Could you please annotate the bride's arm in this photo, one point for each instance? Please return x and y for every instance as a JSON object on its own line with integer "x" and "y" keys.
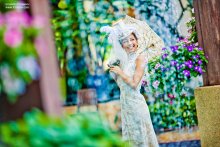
{"x": 138, "y": 74}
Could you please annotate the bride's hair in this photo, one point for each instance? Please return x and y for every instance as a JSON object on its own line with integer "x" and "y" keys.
{"x": 115, "y": 35}
{"x": 132, "y": 33}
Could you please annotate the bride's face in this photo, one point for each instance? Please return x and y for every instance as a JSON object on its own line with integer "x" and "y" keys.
{"x": 130, "y": 43}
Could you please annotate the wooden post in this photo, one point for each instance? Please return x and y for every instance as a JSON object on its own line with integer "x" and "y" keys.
{"x": 207, "y": 15}
{"x": 51, "y": 97}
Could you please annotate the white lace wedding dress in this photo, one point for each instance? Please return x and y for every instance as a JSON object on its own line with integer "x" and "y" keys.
{"x": 137, "y": 127}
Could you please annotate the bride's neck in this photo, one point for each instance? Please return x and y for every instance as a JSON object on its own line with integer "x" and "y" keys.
{"x": 130, "y": 53}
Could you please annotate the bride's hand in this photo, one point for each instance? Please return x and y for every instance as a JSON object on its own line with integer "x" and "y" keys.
{"x": 116, "y": 69}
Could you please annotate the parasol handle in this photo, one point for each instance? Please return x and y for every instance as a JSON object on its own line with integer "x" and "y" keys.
{"x": 116, "y": 22}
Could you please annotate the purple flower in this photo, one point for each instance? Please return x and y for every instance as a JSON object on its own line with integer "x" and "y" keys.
{"x": 180, "y": 39}
{"x": 144, "y": 83}
{"x": 173, "y": 62}
{"x": 190, "y": 65}
{"x": 196, "y": 68}
{"x": 163, "y": 68}
{"x": 186, "y": 73}
{"x": 190, "y": 48}
{"x": 180, "y": 66}
{"x": 174, "y": 48}
{"x": 193, "y": 45}
{"x": 186, "y": 63}
{"x": 163, "y": 49}
{"x": 13, "y": 37}
{"x": 194, "y": 57}
{"x": 200, "y": 49}
{"x": 190, "y": 62}
{"x": 197, "y": 56}
{"x": 164, "y": 56}
{"x": 200, "y": 70}
{"x": 200, "y": 62}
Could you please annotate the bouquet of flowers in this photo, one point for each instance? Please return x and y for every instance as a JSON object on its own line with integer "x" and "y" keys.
{"x": 116, "y": 63}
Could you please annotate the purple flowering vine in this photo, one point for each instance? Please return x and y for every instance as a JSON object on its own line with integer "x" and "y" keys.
{"x": 186, "y": 73}
{"x": 174, "y": 48}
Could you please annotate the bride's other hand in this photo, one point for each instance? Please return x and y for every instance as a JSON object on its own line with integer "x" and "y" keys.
{"x": 116, "y": 69}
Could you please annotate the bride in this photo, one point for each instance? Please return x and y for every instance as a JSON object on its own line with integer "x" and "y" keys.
{"x": 137, "y": 126}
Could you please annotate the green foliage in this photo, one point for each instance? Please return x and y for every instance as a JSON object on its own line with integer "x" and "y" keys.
{"x": 69, "y": 44}
{"x": 81, "y": 48}
{"x": 7, "y": 5}
{"x": 192, "y": 30}
{"x": 170, "y": 72}
{"x": 66, "y": 31}
{"x": 100, "y": 13}
{"x": 180, "y": 113}
{"x": 75, "y": 28}
{"x": 37, "y": 129}
{"x": 168, "y": 82}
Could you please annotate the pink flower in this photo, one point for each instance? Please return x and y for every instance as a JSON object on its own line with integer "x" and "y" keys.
{"x": 185, "y": 40}
{"x": 171, "y": 95}
{"x": 17, "y": 18}
{"x": 13, "y": 37}
{"x": 171, "y": 102}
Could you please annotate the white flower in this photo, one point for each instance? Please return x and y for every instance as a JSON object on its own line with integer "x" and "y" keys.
{"x": 157, "y": 66}
{"x": 30, "y": 65}
{"x": 13, "y": 86}
{"x": 157, "y": 94}
{"x": 4, "y": 72}
{"x": 156, "y": 84}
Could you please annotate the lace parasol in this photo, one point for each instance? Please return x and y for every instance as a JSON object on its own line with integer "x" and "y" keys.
{"x": 148, "y": 40}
